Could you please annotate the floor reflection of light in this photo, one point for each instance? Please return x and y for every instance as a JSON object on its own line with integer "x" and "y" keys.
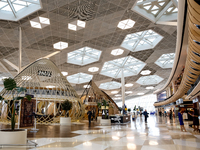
{"x": 130, "y": 137}
{"x": 115, "y": 137}
{"x": 131, "y": 146}
{"x": 118, "y": 133}
{"x": 153, "y": 143}
{"x": 87, "y": 143}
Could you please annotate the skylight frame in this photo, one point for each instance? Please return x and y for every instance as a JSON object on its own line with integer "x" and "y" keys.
{"x": 79, "y": 78}
{"x": 149, "y": 80}
{"x": 165, "y": 60}
{"x": 157, "y": 11}
{"x": 141, "y": 40}
{"x": 110, "y": 85}
{"x": 83, "y": 56}
{"x": 15, "y": 14}
{"x": 130, "y": 66}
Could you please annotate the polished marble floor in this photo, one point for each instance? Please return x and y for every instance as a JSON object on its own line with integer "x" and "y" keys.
{"x": 158, "y": 134}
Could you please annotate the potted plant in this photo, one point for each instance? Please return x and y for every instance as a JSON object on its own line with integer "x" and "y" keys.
{"x": 105, "y": 119}
{"x": 13, "y": 136}
{"x": 66, "y": 106}
{"x": 120, "y": 109}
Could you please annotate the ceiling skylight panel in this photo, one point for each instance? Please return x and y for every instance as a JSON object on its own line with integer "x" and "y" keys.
{"x": 145, "y": 40}
{"x": 79, "y": 78}
{"x": 83, "y": 56}
{"x": 149, "y": 80}
{"x": 130, "y": 66}
{"x": 110, "y": 85}
{"x": 166, "y": 60}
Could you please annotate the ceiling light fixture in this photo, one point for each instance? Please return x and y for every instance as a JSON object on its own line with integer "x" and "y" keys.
{"x": 76, "y": 25}
{"x": 39, "y": 22}
{"x": 128, "y": 92}
{"x": 86, "y": 86}
{"x": 64, "y": 73}
{"x": 140, "y": 93}
{"x": 93, "y": 69}
{"x": 117, "y": 52}
{"x": 128, "y": 85}
{"x": 149, "y": 87}
{"x": 117, "y": 95}
{"x": 145, "y": 72}
{"x": 126, "y": 24}
{"x": 114, "y": 92}
{"x": 60, "y": 45}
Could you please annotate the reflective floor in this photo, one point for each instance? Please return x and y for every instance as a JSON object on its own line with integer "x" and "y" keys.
{"x": 157, "y": 134}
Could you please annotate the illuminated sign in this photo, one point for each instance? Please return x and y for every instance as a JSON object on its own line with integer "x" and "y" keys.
{"x": 44, "y": 73}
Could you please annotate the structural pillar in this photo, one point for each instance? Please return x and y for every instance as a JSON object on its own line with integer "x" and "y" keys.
{"x": 20, "y": 49}
{"x": 123, "y": 88}
{"x": 54, "y": 108}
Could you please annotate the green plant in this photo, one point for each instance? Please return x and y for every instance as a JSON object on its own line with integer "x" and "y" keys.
{"x": 135, "y": 108}
{"x": 99, "y": 105}
{"x": 129, "y": 110}
{"x": 66, "y": 105}
{"x": 10, "y": 85}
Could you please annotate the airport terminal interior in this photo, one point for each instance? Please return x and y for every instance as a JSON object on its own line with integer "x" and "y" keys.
{"x": 99, "y": 74}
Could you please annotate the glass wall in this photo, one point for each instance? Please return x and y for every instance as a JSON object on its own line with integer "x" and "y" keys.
{"x": 146, "y": 102}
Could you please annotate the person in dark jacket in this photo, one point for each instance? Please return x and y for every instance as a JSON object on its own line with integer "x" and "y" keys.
{"x": 195, "y": 116}
{"x": 89, "y": 113}
{"x": 145, "y": 113}
{"x": 170, "y": 114}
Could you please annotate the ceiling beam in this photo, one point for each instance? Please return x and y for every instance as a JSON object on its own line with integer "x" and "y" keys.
{"x": 52, "y": 54}
{"x": 167, "y": 23}
{"x": 147, "y": 1}
{"x": 175, "y": 3}
{"x": 11, "y": 64}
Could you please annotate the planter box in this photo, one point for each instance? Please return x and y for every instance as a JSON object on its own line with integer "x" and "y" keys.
{"x": 19, "y": 136}
{"x": 65, "y": 121}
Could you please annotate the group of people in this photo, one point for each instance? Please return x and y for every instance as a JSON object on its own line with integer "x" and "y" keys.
{"x": 195, "y": 120}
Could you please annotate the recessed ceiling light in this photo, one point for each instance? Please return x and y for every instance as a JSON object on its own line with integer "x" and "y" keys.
{"x": 140, "y": 93}
{"x": 149, "y": 87}
{"x": 44, "y": 20}
{"x": 117, "y": 52}
{"x": 126, "y": 24}
{"x": 76, "y": 25}
{"x": 93, "y": 69}
{"x": 64, "y": 73}
{"x": 60, "y": 45}
{"x": 72, "y": 27}
{"x": 114, "y": 92}
{"x": 81, "y": 23}
{"x": 128, "y": 92}
{"x": 86, "y": 86}
{"x": 145, "y": 72}
{"x": 50, "y": 86}
{"x": 35, "y": 24}
{"x": 128, "y": 85}
{"x": 117, "y": 95}
{"x": 117, "y": 98}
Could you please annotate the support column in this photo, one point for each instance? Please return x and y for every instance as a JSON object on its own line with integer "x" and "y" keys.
{"x": 20, "y": 49}
{"x": 54, "y": 108}
{"x": 123, "y": 88}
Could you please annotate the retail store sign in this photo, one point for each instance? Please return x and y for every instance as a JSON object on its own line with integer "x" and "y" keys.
{"x": 44, "y": 73}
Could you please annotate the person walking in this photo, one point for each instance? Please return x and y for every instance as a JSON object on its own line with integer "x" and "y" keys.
{"x": 180, "y": 117}
{"x": 89, "y": 113}
{"x": 170, "y": 114}
{"x": 145, "y": 113}
{"x": 195, "y": 120}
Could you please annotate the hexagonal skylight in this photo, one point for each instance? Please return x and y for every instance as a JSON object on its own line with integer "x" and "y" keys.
{"x": 76, "y": 25}
{"x": 149, "y": 80}
{"x": 79, "y": 78}
{"x": 141, "y": 40}
{"x": 157, "y": 10}
{"x": 40, "y": 22}
{"x": 130, "y": 65}
{"x": 15, "y": 10}
{"x": 110, "y": 85}
{"x": 126, "y": 24}
{"x": 83, "y": 56}
{"x": 60, "y": 45}
{"x": 166, "y": 60}
{"x": 117, "y": 52}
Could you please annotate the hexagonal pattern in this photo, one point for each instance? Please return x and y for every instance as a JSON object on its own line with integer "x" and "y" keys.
{"x": 79, "y": 78}
{"x": 149, "y": 80}
{"x": 130, "y": 66}
{"x": 15, "y": 10}
{"x": 141, "y": 40}
{"x": 110, "y": 85}
{"x": 83, "y": 56}
{"x": 126, "y": 24}
{"x": 166, "y": 60}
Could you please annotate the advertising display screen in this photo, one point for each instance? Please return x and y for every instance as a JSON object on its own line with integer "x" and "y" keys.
{"x": 161, "y": 96}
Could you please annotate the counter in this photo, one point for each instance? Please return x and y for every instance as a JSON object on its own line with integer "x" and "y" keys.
{"x": 120, "y": 119}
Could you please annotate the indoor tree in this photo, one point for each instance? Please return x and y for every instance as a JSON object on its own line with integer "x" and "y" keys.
{"x": 66, "y": 105}
{"x": 10, "y": 85}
